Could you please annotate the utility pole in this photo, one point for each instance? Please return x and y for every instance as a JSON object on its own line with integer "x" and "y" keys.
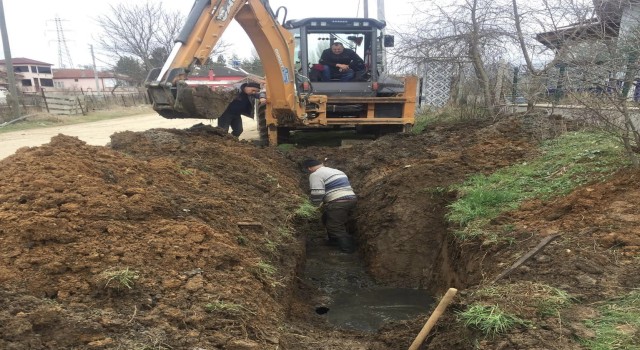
{"x": 366, "y": 8}
{"x": 381, "y": 17}
{"x": 11, "y": 79}
{"x": 95, "y": 70}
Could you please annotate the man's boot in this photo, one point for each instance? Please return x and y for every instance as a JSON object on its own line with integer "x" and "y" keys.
{"x": 346, "y": 245}
{"x": 332, "y": 241}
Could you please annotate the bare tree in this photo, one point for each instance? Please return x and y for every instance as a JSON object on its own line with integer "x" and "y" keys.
{"x": 596, "y": 52}
{"x": 541, "y": 31}
{"x": 466, "y": 33}
{"x": 131, "y": 30}
{"x": 144, "y": 32}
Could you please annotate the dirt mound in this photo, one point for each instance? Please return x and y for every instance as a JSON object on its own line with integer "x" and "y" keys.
{"x": 171, "y": 239}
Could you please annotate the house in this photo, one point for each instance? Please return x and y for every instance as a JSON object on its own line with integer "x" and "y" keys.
{"x": 221, "y": 77}
{"x": 85, "y": 80}
{"x": 35, "y": 75}
{"x": 4, "y": 78}
{"x": 585, "y": 49}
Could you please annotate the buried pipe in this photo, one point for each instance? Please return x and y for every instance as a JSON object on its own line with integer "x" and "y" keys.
{"x": 446, "y": 300}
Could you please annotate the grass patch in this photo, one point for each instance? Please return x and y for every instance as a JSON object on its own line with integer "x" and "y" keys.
{"x": 448, "y": 114}
{"x": 553, "y": 301}
{"x": 284, "y": 232}
{"x": 271, "y": 246}
{"x": 525, "y": 297}
{"x": 306, "y": 210}
{"x": 286, "y": 147}
{"x": 421, "y": 123}
{"x": 265, "y": 269}
{"x": 49, "y": 120}
{"x": 618, "y": 325}
{"x": 185, "y": 171}
{"x": 490, "y": 320}
{"x": 570, "y": 161}
{"x": 224, "y": 307}
{"x": 119, "y": 278}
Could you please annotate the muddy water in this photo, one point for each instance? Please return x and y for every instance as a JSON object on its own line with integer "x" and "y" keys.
{"x": 349, "y": 297}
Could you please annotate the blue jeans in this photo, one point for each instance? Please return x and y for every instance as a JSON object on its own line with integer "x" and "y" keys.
{"x": 347, "y": 75}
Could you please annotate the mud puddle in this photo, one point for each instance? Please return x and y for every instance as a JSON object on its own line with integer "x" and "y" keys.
{"x": 349, "y": 297}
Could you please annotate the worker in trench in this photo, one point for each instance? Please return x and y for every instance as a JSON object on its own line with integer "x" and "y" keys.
{"x": 331, "y": 189}
{"x": 241, "y": 105}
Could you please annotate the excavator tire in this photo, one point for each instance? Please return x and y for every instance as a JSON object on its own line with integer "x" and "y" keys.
{"x": 283, "y": 135}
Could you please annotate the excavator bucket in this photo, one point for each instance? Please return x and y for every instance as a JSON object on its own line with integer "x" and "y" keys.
{"x": 199, "y": 102}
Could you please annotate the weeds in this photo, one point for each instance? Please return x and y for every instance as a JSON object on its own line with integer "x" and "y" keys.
{"x": 435, "y": 192}
{"x": 284, "y": 232}
{"x": 553, "y": 300}
{"x": 265, "y": 269}
{"x": 120, "y": 278}
{"x": 183, "y": 171}
{"x": 224, "y": 307}
{"x": 420, "y": 124}
{"x": 46, "y": 120}
{"x": 548, "y": 300}
{"x": 618, "y": 324}
{"x": 489, "y": 320}
{"x": 271, "y": 246}
{"x": 306, "y": 210}
{"x": 286, "y": 147}
{"x": 271, "y": 179}
{"x": 446, "y": 114}
{"x": 242, "y": 240}
{"x": 566, "y": 163}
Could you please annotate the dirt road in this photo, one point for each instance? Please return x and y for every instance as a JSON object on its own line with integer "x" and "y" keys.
{"x": 98, "y": 133}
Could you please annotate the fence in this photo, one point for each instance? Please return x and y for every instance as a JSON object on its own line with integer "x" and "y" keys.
{"x": 73, "y": 103}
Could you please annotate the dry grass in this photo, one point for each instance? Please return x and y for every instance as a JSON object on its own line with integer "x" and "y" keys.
{"x": 43, "y": 120}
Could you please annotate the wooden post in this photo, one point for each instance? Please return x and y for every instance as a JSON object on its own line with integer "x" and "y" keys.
{"x": 44, "y": 98}
{"x": 80, "y": 104}
{"x": 527, "y": 256}
{"x": 446, "y": 300}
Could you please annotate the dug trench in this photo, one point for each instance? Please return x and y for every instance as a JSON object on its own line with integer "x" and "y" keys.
{"x": 190, "y": 239}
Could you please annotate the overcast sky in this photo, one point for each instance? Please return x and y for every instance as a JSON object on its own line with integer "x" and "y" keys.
{"x": 31, "y": 24}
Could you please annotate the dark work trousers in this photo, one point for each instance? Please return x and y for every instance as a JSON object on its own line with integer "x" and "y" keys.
{"x": 335, "y": 217}
{"x": 235, "y": 121}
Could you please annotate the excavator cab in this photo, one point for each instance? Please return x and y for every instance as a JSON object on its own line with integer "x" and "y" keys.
{"x": 314, "y": 35}
{"x": 366, "y": 38}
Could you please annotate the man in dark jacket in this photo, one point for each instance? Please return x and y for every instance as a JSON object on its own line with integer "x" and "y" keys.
{"x": 340, "y": 63}
{"x": 240, "y": 105}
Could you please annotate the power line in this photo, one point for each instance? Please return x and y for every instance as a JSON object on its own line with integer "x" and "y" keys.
{"x": 64, "y": 56}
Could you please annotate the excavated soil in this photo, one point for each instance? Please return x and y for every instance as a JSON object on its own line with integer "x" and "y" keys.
{"x": 204, "y": 227}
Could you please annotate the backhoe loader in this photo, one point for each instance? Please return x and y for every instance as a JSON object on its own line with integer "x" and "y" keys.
{"x": 289, "y": 51}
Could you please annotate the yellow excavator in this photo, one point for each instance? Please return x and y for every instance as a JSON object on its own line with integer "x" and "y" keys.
{"x": 289, "y": 52}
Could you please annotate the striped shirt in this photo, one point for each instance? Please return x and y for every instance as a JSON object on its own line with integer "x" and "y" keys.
{"x": 328, "y": 184}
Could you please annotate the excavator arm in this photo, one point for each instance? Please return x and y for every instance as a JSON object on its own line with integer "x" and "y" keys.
{"x": 208, "y": 19}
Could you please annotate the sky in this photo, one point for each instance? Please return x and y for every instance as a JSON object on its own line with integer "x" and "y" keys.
{"x": 33, "y": 29}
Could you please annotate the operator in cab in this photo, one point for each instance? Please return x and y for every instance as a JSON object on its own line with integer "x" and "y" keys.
{"x": 340, "y": 63}
{"x": 241, "y": 105}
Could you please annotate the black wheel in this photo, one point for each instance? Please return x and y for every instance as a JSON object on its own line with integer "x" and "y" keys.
{"x": 283, "y": 135}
